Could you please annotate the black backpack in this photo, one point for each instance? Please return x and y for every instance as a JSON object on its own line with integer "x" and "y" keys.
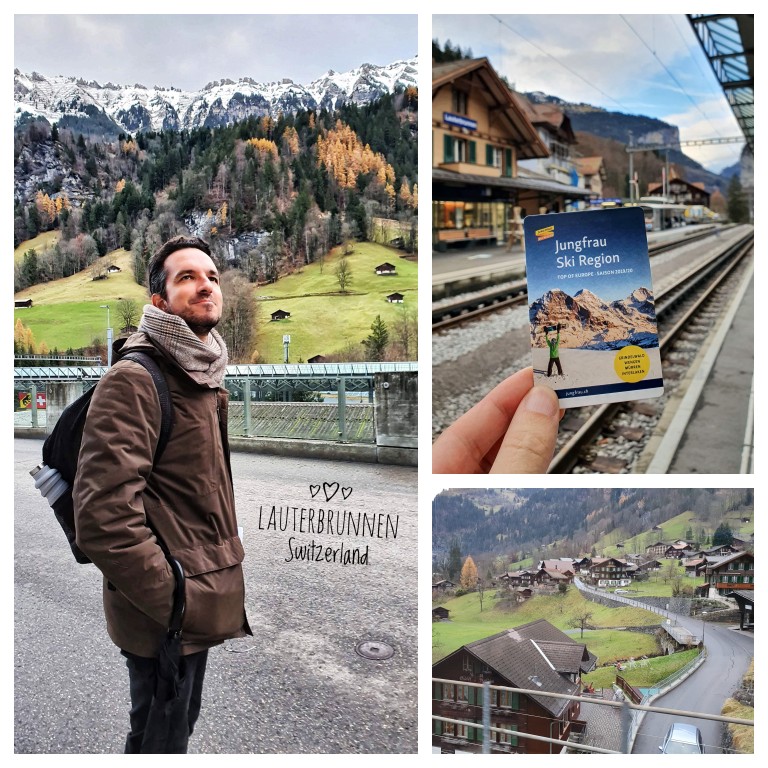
{"x": 56, "y": 475}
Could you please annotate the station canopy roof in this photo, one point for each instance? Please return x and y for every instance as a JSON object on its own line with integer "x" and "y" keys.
{"x": 728, "y": 41}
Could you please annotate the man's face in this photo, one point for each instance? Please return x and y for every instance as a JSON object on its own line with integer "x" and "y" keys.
{"x": 193, "y": 291}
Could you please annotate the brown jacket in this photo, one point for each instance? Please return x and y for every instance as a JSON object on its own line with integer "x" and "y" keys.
{"x": 188, "y": 498}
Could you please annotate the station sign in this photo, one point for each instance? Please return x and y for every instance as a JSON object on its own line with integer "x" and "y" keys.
{"x": 459, "y": 121}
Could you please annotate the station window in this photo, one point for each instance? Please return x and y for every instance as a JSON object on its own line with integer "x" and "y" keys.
{"x": 493, "y": 156}
{"x": 456, "y": 150}
{"x": 459, "y": 102}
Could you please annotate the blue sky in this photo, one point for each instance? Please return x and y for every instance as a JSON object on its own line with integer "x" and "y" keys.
{"x": 189, "y": 51}
{"x": 619, "y": 62}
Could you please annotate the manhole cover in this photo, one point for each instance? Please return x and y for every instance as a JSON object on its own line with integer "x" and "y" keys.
{"x": 370, "y": 649}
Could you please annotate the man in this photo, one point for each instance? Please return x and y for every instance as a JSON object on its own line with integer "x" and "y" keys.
{"x": 123, "y": 505}
{"x": 554, "y": 350}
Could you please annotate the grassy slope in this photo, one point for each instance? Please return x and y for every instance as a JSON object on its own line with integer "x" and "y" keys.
{"x": 66, "y": 313}
{"x": 468, "y": 623}
{"x": 40, "y": 243}
{"x": 323, "y": 320}
{"x": 672, "y": 529}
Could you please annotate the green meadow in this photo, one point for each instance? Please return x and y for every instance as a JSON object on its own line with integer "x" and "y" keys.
{"x": 323, "y": 320}
{"x": 468, "y": 623}
{"x": 66, "y": 313}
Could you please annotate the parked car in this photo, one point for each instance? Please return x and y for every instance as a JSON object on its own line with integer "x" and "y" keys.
{"x": 682, "y": 739}
{"x": 621, "y": 591}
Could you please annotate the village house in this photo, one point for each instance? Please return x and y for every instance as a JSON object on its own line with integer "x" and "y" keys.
{"x": 611, "y": 572}
{"x": 533, "y": 656}
{"x": 443, "y": 585}
{"x": 736, "y": 571}
{"x": 386, "y": 269}
{"x": 280, "y": 314}
{"x": 657, "y": 548}
{"x": 395, "y": 298}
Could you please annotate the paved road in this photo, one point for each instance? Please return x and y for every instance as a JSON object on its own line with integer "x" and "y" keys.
{"x": 729, "y": 652}
{"x": 299, "y": 686}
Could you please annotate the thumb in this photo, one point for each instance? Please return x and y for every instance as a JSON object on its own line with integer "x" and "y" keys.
{"x": 529, "y": 443}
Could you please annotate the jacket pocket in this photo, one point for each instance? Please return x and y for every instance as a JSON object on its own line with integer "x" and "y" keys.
{"x": 214, "y": 591}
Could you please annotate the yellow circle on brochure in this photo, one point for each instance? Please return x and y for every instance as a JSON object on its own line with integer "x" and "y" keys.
{"x": 632, "y": 363}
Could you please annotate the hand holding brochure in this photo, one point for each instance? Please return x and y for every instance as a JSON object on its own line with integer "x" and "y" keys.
{"x": 591, "y": 306}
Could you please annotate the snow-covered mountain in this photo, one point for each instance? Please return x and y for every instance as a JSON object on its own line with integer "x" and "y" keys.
{"x": 588, "y": 322}
{"x": 110, "y": 109}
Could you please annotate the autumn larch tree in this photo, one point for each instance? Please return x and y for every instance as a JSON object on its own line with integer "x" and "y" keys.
{"x": 468, "y": 578}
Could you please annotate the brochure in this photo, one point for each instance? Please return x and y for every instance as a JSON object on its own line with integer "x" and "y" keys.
{"x": 591, "y": 306}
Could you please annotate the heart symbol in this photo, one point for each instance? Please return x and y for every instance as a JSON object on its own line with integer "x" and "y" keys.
{"x": 345, "y": 492}
{"x": 314, "y": 490}
{"x": 334, "y": 487}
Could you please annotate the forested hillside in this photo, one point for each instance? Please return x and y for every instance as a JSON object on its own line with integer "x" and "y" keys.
{"x": 518, "y": 523}
{"x": 259, "y": 190}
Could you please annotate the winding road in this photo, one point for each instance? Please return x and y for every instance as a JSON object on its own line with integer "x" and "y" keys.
{"x": 729, "y": 653}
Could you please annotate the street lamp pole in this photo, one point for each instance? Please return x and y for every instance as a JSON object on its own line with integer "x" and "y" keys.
{"x": 109, "y": 336}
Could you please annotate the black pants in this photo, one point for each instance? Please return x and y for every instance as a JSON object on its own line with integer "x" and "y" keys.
{"x": 141, "y": 674}
{"x": 554, "y": 361}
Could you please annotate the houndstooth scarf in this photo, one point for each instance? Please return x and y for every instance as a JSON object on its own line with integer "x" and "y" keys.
{"x": 175, "y": 337}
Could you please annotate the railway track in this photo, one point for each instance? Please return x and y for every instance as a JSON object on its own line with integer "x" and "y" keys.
{"x": 684, "y": 309}
{"x": 478, "y": 303}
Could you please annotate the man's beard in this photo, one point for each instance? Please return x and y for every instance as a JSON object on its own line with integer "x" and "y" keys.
{"x": 199, "y": 327}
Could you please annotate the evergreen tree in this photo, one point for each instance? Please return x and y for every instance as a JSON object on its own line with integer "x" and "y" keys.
{"x": 723, "y": 535}
{"x": 376, "y": 342}
{"x": 454, "y": 560}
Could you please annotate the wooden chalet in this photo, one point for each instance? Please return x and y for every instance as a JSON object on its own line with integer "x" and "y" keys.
{"x": 440, "y": 614}
{"x": 386, "y": 269}
{"x": 534, "y": 656}
{"x": 395, "y": 298}
{"x": 594, "y": 173}
{"x": 611, "y": 572}
{"x": 317, "y": 359}
{"x": 682, "y": 191}
{"x": 657, "y": 548}
{"x": 22, "y": 303}
{"x": 280, "y": 314}
{"x": 733, "y": 572}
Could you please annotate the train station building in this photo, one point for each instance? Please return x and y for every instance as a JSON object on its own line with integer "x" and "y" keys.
{"x": 481, "y": 130}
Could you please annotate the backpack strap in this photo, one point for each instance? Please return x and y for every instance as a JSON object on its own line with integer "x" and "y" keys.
{"x": 166, "y": 425}
{"x": 163, "y": 394}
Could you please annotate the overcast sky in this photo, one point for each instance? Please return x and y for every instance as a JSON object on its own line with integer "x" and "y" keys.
{"x": 190, "y": 51}
{"x": 608, "y": 61}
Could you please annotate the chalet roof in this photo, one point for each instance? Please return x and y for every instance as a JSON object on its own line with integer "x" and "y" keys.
{"x": 480, "y": 74}
{"x": 514, "y": 655}
{"x": 717, "y": 564}
{"x": 692, "y": 562}
{"x": 549, "y": 115}
{"x": 601, "y": 560}
{"x": 569, "y": 658}
{"x": 744, "y": 594}
{"x": 557, "y": 575}
{"x": 562, "y": 565}
{"x": 590, "y": 166}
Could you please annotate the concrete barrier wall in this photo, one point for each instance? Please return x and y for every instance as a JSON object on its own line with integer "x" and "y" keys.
{"x": 396, "y": 422}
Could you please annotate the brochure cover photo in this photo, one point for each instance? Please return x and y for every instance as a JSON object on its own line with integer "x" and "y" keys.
{"x": 591, "y": 306}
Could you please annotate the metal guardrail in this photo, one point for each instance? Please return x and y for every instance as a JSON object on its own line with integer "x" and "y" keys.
{"x": 630, "y": 715}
